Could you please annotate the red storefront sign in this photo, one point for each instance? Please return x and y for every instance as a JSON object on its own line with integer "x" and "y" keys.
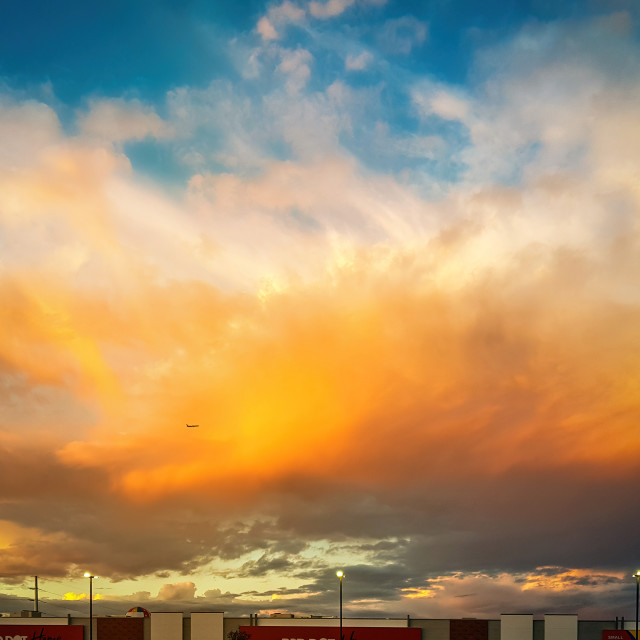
{"x": 610, "y": 634}
{"x": 332, "y": 633}
{"x": 41, "y": 632}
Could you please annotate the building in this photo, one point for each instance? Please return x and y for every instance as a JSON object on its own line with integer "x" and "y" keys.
{"x": 214, "y": 625}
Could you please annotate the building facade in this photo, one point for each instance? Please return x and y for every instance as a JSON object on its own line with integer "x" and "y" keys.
{"x": 213, "y": 625}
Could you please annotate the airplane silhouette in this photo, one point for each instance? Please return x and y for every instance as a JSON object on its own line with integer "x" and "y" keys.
{"x": 192, "y": 425}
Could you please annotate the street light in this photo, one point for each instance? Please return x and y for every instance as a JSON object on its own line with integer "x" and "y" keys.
{"x": 340, "y": 575}
{"x": 91, "y": 579}
{"x": 637, "y": 577}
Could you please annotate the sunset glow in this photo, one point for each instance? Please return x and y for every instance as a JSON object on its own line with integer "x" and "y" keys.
{"x": 385, "y": 255}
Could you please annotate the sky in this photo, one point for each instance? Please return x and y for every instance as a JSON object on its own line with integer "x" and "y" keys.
{"x": 385, "y": 253}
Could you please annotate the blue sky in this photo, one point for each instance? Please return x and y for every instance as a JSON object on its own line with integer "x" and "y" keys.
{"x": 385, "y": 254}
{"x": 71, "y": 54}
{"x": 150, "y": 48}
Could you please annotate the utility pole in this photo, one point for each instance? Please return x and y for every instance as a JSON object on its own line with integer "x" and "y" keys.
{"x": 35, "y": 601}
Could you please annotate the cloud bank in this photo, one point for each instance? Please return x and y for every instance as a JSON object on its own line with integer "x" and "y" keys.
{"x": 427, "y": 376}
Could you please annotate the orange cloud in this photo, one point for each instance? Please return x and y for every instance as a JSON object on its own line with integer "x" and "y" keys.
{"x": 318, "y": 370}
{"x": 340, "y": 341}
{"x": 70, "y": 595}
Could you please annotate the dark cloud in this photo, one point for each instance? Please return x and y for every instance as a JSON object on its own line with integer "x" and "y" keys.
{"x": 265, "y": 564}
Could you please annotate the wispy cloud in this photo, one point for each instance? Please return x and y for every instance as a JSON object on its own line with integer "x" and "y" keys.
{"x": 329, "y": 9}
{"x": 120, "y": 121}
{"x": 358, "y": 62}
{"x": 401, "y": 35}
{"x": 279, "y": 16}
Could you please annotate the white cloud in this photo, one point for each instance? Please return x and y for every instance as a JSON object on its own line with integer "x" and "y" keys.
{"x": 26, "y": 130}
{"x": 329, "y": 9}
{"x": 448, "y": 106}
{"x": 230, "y": 127}
{"x": 279, "y": 17}
{"x": 401, "y": 36}
{"x": 287, "y": 12}
{"x": 358, "y": 62}
{"x": 295, "y": 64}
{"x": 550, "y": 109}
{"x": 432, "y": 98}
{"x": 118, "y": 120}
{"x": 266, "y": 29}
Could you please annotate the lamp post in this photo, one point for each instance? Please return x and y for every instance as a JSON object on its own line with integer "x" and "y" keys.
{"x": 637, "y": 577}
{"x": 340, "y": 575}
{"x": 91, "y": 579}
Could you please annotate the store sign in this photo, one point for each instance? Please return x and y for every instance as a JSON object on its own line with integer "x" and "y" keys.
{"x": 41, "y": 632}
{"x": 609, "y": 634}
{"x": 332, "y": 633}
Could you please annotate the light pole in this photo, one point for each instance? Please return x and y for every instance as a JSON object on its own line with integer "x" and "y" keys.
{"x": 340, "y": 575}
{"x": 637, "y": 577}
{"x": 91, "y": 579}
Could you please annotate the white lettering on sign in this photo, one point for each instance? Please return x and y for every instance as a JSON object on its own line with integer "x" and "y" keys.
{"x": 296, "y": 639}
{"x": 41, "y": 635}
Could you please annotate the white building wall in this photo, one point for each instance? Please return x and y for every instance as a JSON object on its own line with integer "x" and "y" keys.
{"x": 166, "y": 626}
{"x": 516, "y": 626}
{"x": 433, "y": 629}
{"x": 207, "y": 625}
{"x": 33, "y": 621}
{"x": 561, "y": 627}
